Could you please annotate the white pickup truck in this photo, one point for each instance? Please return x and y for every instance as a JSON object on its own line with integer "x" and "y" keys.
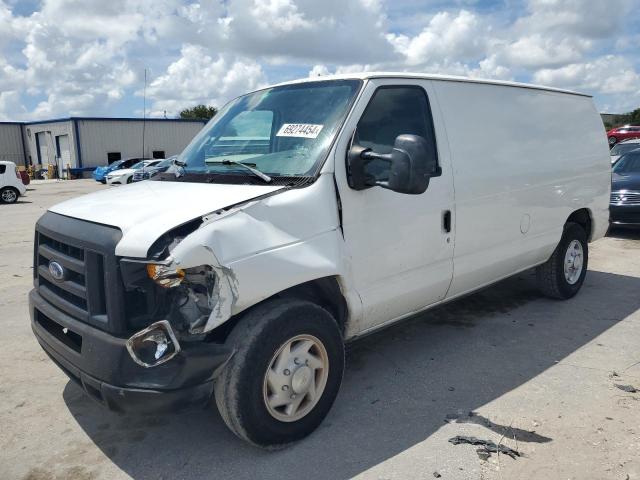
{"x": 303, "y": 216}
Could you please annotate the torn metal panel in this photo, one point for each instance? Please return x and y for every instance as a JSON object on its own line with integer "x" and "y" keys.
{"x": 263, "y": 247}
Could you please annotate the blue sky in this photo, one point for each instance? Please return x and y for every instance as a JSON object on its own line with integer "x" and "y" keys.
{"x": 87, "y": 57}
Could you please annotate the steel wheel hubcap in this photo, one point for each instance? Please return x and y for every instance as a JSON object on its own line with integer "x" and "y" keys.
{"x": 8, "y": 196}
{"x": 295, "y": 378}
{"x": 573, "y": 262}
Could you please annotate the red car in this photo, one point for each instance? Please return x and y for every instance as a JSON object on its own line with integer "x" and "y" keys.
{"x": 620, "y": 133}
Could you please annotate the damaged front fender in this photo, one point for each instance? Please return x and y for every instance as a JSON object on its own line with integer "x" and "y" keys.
{"x": 256, "y": 250}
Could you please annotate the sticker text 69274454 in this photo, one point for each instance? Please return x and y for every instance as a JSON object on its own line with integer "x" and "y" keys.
{"x": 305, "y": 130}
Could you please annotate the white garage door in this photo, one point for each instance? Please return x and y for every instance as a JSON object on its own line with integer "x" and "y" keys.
{"x": 63, "y": 151}
{"x": 43, "y": 149}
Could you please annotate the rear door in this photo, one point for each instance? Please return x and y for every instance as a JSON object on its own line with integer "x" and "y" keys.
{"x": 400, "y": 250}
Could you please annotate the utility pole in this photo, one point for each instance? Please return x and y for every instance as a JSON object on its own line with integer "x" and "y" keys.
{"x": 144, "y": 110}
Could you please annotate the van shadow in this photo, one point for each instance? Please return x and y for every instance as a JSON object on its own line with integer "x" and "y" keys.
{"x": 399, "y": 387}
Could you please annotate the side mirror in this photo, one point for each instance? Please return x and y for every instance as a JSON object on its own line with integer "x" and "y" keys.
{"x": 412, "y": 163}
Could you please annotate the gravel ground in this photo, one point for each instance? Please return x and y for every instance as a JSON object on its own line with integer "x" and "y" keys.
{"x": 503, "y": 365}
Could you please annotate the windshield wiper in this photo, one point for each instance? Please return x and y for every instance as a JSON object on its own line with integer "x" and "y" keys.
{"x": 255, "y": 171}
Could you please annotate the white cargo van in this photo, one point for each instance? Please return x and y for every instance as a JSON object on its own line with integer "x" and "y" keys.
{"x": 303, "y": 216}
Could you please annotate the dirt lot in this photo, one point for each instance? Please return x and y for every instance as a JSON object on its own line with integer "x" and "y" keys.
{"x": 502, "y": 364}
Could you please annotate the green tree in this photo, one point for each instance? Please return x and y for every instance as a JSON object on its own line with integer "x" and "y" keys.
{"x": 199, "y": 112}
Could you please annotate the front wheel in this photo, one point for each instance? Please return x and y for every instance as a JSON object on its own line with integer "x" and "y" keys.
{"x": 612, "y": 141}
{"x": 285, "y": 373}
{"x": 563, "y": 274}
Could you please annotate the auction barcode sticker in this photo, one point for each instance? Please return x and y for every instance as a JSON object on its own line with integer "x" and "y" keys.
{"x": 305, "y": 130}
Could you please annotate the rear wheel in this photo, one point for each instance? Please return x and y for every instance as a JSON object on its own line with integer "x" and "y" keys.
{"x": 9, "y": 195}
{"x": 285, "y": 373}
{"x": 563, "y": 274}
{"x": 130, "y": 179}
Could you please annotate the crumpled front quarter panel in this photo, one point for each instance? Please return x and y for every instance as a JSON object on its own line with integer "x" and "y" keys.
{"x": 267, "y": 246}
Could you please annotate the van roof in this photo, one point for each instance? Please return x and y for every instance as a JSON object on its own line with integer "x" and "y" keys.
{"x": 6, "y": 162}
{"x": 426, "y": 76}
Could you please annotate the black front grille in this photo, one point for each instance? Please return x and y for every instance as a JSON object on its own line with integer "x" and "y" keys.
{"x": 90, "y": 289}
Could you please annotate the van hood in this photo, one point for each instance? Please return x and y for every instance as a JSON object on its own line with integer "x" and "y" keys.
{"x": 146, "y": 210}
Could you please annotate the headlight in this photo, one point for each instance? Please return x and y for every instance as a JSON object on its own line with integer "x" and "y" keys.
{"x": 164, "y": 276}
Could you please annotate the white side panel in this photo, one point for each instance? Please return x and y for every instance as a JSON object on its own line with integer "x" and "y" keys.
{"x": 523, "y": 160}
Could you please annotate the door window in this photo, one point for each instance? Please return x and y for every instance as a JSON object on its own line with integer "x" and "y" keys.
{"x": 391, "y": 112}
{"x": 3, "y": 168}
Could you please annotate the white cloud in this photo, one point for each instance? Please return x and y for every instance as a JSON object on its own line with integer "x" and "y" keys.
{"x": 447, "y": 36}
{"x": 198, "y": 78}
{"x": 87, "y": 56}
{"x": 609, "y": 75}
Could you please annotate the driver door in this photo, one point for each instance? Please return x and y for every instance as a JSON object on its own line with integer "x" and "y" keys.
{"x": 400, "y": 245}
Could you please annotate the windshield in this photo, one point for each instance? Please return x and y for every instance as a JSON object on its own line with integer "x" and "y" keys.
{"x": 280, "y": 131}
{"x": 629, "y": 163}
{"x": 165, "y": 163}
{"x": 144, "y": 163}
{"x": 622, "y": 148}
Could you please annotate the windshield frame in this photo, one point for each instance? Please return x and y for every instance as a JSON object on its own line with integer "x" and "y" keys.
{"x": 319, "y": 163}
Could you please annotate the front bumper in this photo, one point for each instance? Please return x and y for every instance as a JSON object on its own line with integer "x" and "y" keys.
{"x": 100, "y": 364}
{"x": 624, "y": 215}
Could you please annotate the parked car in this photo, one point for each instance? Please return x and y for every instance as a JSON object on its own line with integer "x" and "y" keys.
{"x": 11, "y": 186}
{"x": 625, "y": 190}
{"x": 125, "y": 175}
{"x": 148, "y": 172}
{"x": 100, "y": 173}
{"x": 617, "y": 134}
{"x": 623, "y": 147}
{"x": 306, "y": 215}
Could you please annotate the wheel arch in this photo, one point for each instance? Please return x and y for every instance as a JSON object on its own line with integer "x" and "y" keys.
{"x": 582, "y": 217}
{"x": 324, "y": 291}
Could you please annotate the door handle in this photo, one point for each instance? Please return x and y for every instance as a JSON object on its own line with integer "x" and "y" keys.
{"x": 446, "y": 221}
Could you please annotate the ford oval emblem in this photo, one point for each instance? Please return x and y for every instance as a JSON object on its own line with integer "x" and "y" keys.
{"x": 56, "y": 270}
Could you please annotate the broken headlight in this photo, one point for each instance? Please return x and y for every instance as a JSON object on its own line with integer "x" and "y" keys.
{"x": 165, "y": 276}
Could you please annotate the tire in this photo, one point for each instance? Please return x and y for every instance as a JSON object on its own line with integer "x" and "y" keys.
{"x": 104, "y": 182}
{"x": 242, "y": 391}
{"x": 612, "y": 141}
{"x": 553, "y": 279}
{"x": 9, "y": 195}
{"x": 130, "y": 179}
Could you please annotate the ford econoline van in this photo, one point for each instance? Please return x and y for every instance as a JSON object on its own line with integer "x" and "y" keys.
{"x": 306, "y": 215}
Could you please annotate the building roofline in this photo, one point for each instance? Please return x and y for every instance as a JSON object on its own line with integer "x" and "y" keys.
{"x": 105, "y": 119}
